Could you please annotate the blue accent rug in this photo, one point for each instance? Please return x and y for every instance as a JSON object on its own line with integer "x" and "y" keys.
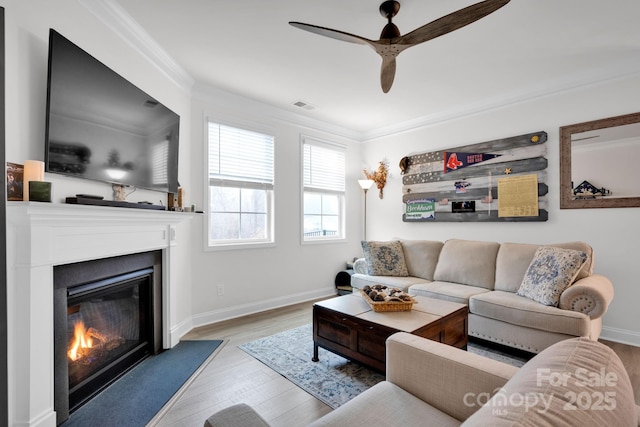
{"x": 134, "y": 399}
{"x": 333, "y": 379}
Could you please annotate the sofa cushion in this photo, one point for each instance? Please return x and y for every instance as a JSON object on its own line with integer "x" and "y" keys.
{"x": 551, "y": 271}
{"x": 385, "y": 404}
{"x": 577, "y": 382}
{"x": 385, "y": 258}
{"x": 513, "y": 259}
{"x": 361, "y": 280}
{"x": 512, "y": 262}
{"x": 511, "y": 308}
{"x": 587, "y": 267}
{"x": 467, "y": 262}
{"x": 447, "y": 291}
{"x": 421, "y": 257}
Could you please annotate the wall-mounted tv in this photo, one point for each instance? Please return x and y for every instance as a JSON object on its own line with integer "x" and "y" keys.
{"x": 102, "y": 127}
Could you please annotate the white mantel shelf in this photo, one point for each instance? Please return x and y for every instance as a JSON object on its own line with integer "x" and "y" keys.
{"x": 43, "y": 235}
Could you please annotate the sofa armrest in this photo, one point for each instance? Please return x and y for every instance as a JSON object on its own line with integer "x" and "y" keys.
{"x": 360, "y": 266}
{"x": 590, "y": 295}
{"x": 451, "y": 380}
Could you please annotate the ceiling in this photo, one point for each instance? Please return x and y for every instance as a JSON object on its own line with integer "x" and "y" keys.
{"x": 527, "y": 49}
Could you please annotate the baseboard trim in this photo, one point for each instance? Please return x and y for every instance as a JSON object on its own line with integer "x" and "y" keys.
{"x": 622, "y": 336}
{"x": 240, "y": 310}
{"x": 178, "y": 331}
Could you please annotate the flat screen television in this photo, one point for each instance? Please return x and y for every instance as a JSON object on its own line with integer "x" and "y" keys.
{"x": 102, "y": 127}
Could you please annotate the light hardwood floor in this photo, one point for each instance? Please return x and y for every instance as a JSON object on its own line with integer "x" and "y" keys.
{"x": 232, "y": 376}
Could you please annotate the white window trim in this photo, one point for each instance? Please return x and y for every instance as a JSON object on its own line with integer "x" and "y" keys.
{"x": 343, "y": 201}
{"x": 271, "y": 201}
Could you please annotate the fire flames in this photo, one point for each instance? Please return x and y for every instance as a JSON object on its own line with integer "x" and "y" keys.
{"x": 82, "y": 340}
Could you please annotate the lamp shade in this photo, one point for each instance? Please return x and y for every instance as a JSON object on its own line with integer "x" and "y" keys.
{"x": 33, "y": 171}
{"x": 365, "y": 184}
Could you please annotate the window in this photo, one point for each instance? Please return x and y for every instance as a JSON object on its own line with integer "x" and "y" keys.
{"x": 323, "y": 182}
{"x": 240, "y": 186}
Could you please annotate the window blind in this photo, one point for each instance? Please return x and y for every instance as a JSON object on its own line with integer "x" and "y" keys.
{"x": 323, "y": 167}
{"x": 243, "y": 157}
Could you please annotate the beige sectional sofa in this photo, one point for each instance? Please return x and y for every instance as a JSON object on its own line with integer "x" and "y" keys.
{"x": 487, "y": 277}
{"x": 576, "y": 382}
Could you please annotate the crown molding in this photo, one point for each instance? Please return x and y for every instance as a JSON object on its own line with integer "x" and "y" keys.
{"x": 219, "y": 97}
{"x": 606, "y": 74}
{"x": 120, "y": 22}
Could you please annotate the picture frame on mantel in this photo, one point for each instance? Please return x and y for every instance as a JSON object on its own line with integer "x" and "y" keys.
{"x": 15, "y": 182}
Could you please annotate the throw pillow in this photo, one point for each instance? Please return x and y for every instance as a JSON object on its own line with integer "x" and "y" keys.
{"x": 385, "y": 258}
{"x": 551, "y": 271}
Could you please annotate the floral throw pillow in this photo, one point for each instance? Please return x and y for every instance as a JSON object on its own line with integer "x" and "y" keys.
{"x": 384, "y": 258}
{"x": 551, "y": 271}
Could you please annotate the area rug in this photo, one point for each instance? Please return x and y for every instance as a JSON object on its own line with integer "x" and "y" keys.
{"x": 134, "y": 399}
{"x": 333, "y": 379}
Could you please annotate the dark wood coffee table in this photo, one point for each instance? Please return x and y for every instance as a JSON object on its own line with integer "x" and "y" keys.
{"x": 346, "y": 325}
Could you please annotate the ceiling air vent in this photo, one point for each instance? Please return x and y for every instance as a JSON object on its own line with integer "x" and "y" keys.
{"x": 304, "y": 105}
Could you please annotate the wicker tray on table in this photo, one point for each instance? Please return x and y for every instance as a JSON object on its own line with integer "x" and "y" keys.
{"x": 380, "y": 306}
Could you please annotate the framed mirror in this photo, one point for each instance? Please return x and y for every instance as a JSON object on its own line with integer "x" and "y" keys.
{"x": 598, "y": 163}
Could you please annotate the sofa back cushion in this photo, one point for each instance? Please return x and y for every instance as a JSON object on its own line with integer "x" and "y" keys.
{"x": 512, "y": 263}
{"x": 513, "y": 260}
{"x": 468, "y": 262}
{"x": 421, "y": 257}
{"x": 577, "y": 382}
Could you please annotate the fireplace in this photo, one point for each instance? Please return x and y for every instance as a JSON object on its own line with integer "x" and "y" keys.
{"x": 107, "y": 319}
{"x": 43, "y": 237}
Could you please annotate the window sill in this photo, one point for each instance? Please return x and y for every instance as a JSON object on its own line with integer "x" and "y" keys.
{"x": 239, "y": 246}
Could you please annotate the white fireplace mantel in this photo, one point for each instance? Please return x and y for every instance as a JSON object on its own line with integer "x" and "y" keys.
{"x": 43, "y": 235}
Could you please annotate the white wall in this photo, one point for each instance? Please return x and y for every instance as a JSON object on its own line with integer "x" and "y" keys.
{"x": 291, "y": 271}
{"x": 613, "y": 233}
{"x": 27, "y": 25}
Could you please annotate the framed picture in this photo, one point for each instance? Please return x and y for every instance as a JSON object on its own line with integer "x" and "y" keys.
{"x": 15, "y": 181}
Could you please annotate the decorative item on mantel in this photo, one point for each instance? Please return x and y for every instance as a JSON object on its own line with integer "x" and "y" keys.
{"x": 33, "y": 171}
{"x": 586, "y": 190}
{"x": 15, "y": 181}
{"x": 39, "y": 191}
{"x": 379, "y": 176}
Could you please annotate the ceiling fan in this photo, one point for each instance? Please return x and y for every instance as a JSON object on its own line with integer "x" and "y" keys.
{"x": 391, "y": 42}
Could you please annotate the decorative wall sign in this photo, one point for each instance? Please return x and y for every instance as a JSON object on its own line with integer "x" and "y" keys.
{"x": 420, "y": 209}
{"x": 465, "y": 183}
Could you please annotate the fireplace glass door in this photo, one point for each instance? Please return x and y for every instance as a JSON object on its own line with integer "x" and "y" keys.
{"x": 108, "y": 331}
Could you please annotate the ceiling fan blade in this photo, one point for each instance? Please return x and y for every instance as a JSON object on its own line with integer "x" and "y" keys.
{"x": 387, "y": 72}
{"x": 334, "y": 34}
{"x": 452, "y": 22}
